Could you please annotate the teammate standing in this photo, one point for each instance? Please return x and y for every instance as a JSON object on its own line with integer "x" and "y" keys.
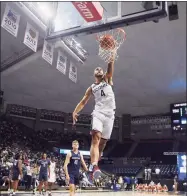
{"x": 72, "y": 166}
{"x": 16, "y": 172}
{"x": 52, "y": 178}
{"x": 44, "y": 173}
{"x": 103, "y": 114}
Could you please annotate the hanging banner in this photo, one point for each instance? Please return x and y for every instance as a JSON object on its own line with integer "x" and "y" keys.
{"x": 48, "y": 50}
{"x": 61, "y": 62}
{"x": 31, "y": 37}
{"x": 73, "y": 72}
{"x": 10, "y": 21}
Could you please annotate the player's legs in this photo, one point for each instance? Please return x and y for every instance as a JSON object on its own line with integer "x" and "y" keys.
{"x": 40, "y": 182}
{"x": 97, "y": 128}
{"x": 40, "y": 186}
{"x": 51, "y": 181}
{"x": 94, "y": 150}
{"x": 45, "y": 181}
{"x": 50, "y": 187}
{"x": 72, "y": 187}
{"x": 15, "y": 186}
{"x": 34, "y": 184}
{"x": 102, "y": 145}
{"x": 15, "y": 180}
{"x": 106, "y": 134}
{"x": 45, "y": 185}
{"x": 9, "y": 184}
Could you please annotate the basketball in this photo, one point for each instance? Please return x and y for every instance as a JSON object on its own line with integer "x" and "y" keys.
{"x": 107, "y": 42}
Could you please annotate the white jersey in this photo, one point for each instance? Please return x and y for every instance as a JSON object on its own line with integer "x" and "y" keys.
{"x": 52, "y": 177}
{"x": 104, "y": 97}
{"x": 52, "y": 167}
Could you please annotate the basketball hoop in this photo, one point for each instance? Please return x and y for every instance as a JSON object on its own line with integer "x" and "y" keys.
{"x": 109, "y": 42}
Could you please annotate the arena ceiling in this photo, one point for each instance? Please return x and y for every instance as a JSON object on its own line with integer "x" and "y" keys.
{"x": 149, "y": 74}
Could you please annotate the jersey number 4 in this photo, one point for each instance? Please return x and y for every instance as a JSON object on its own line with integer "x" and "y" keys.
{"x": 102, "y": 93}
{"x": 76, "y": 162}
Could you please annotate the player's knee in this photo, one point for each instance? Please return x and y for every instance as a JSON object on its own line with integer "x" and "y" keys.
{"x": 71, "y": 188}
{"x": 103, "y": 141}
{"x": 96, "y": 137}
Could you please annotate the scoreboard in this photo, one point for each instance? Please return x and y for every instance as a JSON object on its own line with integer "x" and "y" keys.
{"x": 178, "y": 116}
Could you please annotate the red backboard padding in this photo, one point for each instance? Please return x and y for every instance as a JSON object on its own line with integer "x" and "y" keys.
{"x": 90, "y": 11}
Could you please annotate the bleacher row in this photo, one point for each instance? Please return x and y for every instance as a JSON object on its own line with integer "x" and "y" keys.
{"x": 128, "y": 170}
{"x": 165, "y": 170}
{"x": 149, "y": 148}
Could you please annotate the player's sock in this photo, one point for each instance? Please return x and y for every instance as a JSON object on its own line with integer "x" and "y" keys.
{"x": 90, "y": 169}
{"x": 94, "y": 163}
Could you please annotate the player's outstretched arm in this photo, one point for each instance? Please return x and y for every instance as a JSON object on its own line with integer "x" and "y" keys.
{"x": 83, "y": 163}
{"x": 81, "y": 104}
{"x": 110, "y": 69}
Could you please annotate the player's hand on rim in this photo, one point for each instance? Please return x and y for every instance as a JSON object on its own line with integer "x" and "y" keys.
{"x": 75, "y": 116}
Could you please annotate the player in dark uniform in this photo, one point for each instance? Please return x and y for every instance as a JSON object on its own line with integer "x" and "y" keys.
{"x": 44, "y": 173}
{"x": 16, "y": 172}
{"x": 6, "y": 177}
{"x": 72, "y": 166}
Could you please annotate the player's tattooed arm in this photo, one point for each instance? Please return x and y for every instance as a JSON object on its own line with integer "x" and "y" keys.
{"x": 83, "y": 163}
{"x": 81, "y": 104}
{"x": 68, "y": 156}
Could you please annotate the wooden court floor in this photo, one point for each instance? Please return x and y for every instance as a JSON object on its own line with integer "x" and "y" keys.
{"x": 102, "y": 193}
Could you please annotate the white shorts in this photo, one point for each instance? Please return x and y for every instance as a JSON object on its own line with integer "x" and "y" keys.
{"x": 52, "y": 178}
{"x": 103, "y": 123}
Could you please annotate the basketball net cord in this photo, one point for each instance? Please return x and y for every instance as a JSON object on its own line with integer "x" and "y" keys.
{"x": 118, "y": 36}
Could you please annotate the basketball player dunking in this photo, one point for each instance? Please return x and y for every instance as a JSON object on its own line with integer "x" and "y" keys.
{"x": 72, "y": 167}
{"x": 103, "y": 114}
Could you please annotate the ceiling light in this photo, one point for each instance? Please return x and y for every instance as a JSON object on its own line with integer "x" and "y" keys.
{"x": 46, "y": 10}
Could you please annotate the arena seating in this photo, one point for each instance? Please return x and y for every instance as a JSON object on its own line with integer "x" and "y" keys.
{"x": 19, "y": 138}
{"x": 182, "y": 146}
{"x": 127, "y": 170}
{"x": 165, "y": 170}
{"x": 120, "y": 150}
{"x": 155, "y": 149}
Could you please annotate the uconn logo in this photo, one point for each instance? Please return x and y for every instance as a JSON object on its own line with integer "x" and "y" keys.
{"x": 99, "y": 87}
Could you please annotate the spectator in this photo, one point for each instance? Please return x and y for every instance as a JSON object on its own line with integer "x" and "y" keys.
{"x": 157, "y": 171}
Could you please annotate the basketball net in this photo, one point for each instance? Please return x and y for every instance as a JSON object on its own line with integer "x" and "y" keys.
{"x": 118, "y": 36}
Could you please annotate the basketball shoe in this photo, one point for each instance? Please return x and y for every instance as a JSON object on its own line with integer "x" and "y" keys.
{"x": 94, "y": 172}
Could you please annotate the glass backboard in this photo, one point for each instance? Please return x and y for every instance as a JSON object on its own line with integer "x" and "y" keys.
{"x": 68, "y": 21}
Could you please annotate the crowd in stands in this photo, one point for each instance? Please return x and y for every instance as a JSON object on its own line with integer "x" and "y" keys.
{"x": 155, "y": 150}
{"x": 16, "y": 137}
